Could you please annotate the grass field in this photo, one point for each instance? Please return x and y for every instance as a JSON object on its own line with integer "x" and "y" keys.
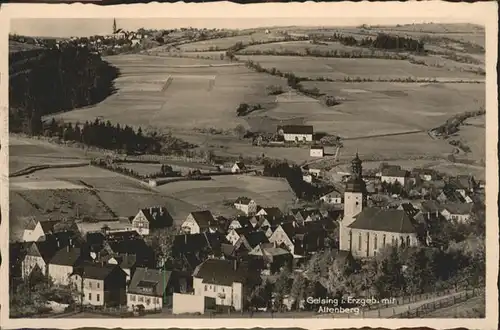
{"x": 208, "y": 96}
{"x": 211, "y": 194}
{"x": 225, "y": 43}
{"x": 340, "y": 68}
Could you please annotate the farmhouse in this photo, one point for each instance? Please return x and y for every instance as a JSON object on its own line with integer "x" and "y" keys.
{"x": 61, "y": 265}
{"x": 246, "y": 205}
{"x": 151, "y": 288}
{"x": 316, "y": 151}
{"x": 459, "y": 212}
{"x": 38, "y": 256}
{"x": 238, "y": 167}
{"x": 333, "y": 197}
{"x": 296, "y": 133}
{"x": 198, "y": 222}
{"x": 127, "y": 262}
{"x": 100, "y": 284}
{"x": 249, "y": 241}
{"x": 37, "y": 230}
{"x": 392, "y": 175}
{"x": 241, "y": 222}
{"x": 270, "y": 212}
{"x": 149, "y": 219}
{"x": 272, "y": 258}
{"x": 226, "y": 281}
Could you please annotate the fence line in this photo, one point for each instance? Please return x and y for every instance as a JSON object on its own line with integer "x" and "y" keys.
{"x": 438, "y": 304}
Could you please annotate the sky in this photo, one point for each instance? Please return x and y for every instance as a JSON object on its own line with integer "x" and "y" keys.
{"x": 81, "y": 27}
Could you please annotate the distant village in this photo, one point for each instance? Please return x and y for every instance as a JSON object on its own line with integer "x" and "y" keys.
{"x": 146, "y": 263}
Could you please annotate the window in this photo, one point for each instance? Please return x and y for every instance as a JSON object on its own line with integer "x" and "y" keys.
{"x": 383, "y": 240}
{"x": 132, "y": 297}
{"x": 98, "y": 285}
{"x": 359, "y": 242}
{"x": 90, "y": 296}
{"x": 357, "y": 203}
{"x": 222, "y": 290}
{"x": 148, "y": 301}
{"x": 407, "y": 240}
{"x": 90, "y": 285}
{"x": 97, "y": 297}
{"x": 141, "y": 299}
{"x": 375, "y": 243}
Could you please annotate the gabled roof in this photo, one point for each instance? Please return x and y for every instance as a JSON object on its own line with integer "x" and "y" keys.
{"x": 31, "y": 222}
{"x": 458, "y": 208}
{"x": 430, "y": 206}
{"x": 317, "y": 147}
{"x": 48, "y": 225}
{"x": 272, "y": 212}
{"x": 243, "y": 200}
{"x": 390, "y": 220}
{"x": 155, "y": 279}
{"x": 224, "y": 272}
{"x": 409, "y": 209}
{"x": 297, "y": 129}
{"x": 392, "y": 172}
{"x": 46, "y": 249}
{"x": 334, "y": 194}
{"x": 255, "y": 238}
{"x": 125, "y": 261}
{"x": 67, "y": 256}
{"x": 244, "y": 221}
{"x": 197, "y": 242}
{"x": 203, "y": 218}
{"x": 240, "y": 165}
{"x": 158, "y": 217}
{"x": 97, "y": 271}
{"x": 452, "y": 196}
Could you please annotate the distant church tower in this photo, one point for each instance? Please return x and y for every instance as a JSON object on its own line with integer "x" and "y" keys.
{"x": 354, "y": 201}
{"x": 114, "y": 26}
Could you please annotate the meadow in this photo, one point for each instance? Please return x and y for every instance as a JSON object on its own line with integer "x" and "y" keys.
{"x": 341, "y": 68}
{"x": 226, "y": 43}
{"x": 191, "y": 96}
{"x": 211, "y": 194}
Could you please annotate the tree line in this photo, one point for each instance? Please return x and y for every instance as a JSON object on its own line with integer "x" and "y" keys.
{"x": 115, "y": 137}
{"x": 381, "y": 41}
{"x": 57, "y": 80}
{"x": 293, "y": 174}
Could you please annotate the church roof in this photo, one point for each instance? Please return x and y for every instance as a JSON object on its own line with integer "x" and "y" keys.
{"x": 390, "y": 220}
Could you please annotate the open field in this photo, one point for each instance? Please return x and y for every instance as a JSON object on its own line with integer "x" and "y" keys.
{"x": 340, "y": 68}
{"x": 407, "y": 106}
{"x": 225, "y": 43}
{"x": 211, "y": 194}
{"x": 208, "y": 96}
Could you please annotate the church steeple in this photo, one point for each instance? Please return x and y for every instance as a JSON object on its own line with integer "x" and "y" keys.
{"x": 355, "y": 182}
{"x": 114, "y": 25}
{"x": 356, "y": 168}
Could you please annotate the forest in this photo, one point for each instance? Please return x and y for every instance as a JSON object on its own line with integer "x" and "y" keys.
{"x": 54, "y": 80}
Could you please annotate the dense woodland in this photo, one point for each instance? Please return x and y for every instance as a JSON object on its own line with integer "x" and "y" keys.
{"x": 78, "y": 78}
{"x": 382, "y": 41}
{"x": 115, "y": 137}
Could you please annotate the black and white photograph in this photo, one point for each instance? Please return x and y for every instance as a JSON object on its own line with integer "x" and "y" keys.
{"x": 248, "y": 168}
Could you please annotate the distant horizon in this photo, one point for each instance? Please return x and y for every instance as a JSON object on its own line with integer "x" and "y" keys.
{"x": 85, "y": 27}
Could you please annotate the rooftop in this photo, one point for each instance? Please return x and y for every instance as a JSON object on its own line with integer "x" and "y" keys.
{"x": 390, "y": 220}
